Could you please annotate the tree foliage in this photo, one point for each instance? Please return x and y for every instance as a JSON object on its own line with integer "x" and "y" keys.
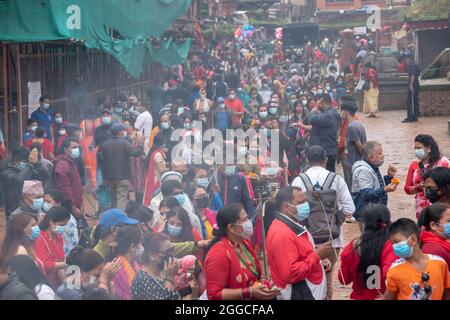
{"x": 427, "y": 10}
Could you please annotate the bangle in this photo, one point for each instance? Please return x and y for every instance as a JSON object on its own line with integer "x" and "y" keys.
{"x": 246, "y": 293}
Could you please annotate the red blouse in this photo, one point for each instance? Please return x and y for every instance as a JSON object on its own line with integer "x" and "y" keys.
{"x": 348, "y": 271}
{"x": 415, "y": 177}
{"x": 224, "y": 270}
{"x": 47, "y": 147}
{"x": 49, "y": 252}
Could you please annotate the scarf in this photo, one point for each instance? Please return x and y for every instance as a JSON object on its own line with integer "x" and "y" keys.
{"x": 430, "y": 237}
{"x": 150, "y": 184}
{"x": 128, "y": 268}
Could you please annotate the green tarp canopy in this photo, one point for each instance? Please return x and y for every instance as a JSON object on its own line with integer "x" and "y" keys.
{"x": 95, "y": 21}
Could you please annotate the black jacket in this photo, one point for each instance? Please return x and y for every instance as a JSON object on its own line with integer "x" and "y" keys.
{"x": 101, "y": 134}
{"x": 12, "y": 179}
{"x": 13, "y": 289}
{"x": 116, "y": 153}
{"x": 325, "y": 127}
{"x": 236, "y": 192}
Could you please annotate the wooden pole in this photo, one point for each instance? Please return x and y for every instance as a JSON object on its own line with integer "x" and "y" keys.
{"x": 5, "y": 94}
{"x": 19, "y": 89}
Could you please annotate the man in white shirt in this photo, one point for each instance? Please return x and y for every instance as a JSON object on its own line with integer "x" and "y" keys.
{"x": 144, "y": 123}
{"x": 317, "y": 158}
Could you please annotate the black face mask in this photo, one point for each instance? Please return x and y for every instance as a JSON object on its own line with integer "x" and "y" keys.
{"x": 432, "y": 195}
{"x": 202, "y": 202}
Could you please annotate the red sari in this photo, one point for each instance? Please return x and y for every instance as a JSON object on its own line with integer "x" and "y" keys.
{"x": 224, "y": 270}
{"x": 150, "y": 184}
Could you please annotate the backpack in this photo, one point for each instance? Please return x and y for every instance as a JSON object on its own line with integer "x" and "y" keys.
{"x": 325, "y": 220}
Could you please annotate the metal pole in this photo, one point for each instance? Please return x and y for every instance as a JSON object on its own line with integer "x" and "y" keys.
{"x": 19, "y": 89}
{"x": 5, "y": 94}
{"x": 263, "y": 247}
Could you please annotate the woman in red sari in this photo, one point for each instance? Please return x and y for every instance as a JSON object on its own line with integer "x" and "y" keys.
{"x": 156, "y": 167}
{"x": 232, "y": 269}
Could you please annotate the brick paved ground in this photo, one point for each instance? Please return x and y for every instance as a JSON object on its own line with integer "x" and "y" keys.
{"x": 398, "y": 146}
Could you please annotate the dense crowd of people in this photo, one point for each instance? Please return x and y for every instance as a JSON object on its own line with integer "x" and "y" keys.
{"x": 263, "y": 226}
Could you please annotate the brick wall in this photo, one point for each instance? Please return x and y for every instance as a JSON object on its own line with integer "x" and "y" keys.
{"x": 435, "y": 101}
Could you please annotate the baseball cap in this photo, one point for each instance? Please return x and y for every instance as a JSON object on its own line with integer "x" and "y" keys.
{"x": 114, "y": 217}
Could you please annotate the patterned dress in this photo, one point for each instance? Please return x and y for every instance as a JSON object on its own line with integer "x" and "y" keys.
{"x": 146, "y": 287}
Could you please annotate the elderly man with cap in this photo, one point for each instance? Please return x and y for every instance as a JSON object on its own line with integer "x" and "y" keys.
{"x": 32, "y": 199}
{"x": 23, "y": 165}
{"x": 116, "y": 153}
{"x": 171, "y": 185}
{"x": 318, "y": 178}
{"x": 106, "y": 231}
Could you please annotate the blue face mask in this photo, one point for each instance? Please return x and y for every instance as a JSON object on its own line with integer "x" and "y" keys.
{"x": 173, "y": 230}
{"x": 271, "y": 171}
{"x": 420, "y": 153}
{"x": 230, "y": 170}
{"x": 202, "y": 182}
{"x": 37, "y": 204}
{"x": 35, "y": 232}
{"x": 46, "y": 106}
{"x": 106, "y": 120}
{"x": 180, "y": 198}
{"x": 402, "y": 249}
{"x": 263, "y": 114}
{"x": 46, "y": 206}
{"x": 273, "y": 110}
{"x": 59, "y": 229}
{"x": 164, "y": 125}
{"x": 119, "y": 110}
{"x": 75, "y": 153}
{"x": 303, "y": 211}
{"x": 447, "y": 230}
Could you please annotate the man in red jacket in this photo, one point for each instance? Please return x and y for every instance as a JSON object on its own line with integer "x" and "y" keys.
{"x": 295, "y": 266}
{"x": 66, "y": 177}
